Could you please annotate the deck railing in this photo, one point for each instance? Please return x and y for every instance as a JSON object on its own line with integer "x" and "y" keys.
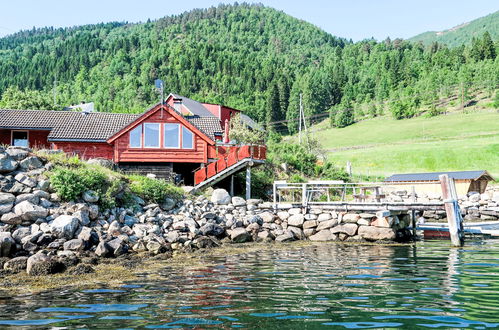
{"x": 232, "y": 155}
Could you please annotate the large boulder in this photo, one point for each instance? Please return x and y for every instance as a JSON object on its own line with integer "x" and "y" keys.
{"x": 64, "y": 226}
{"x": 296, "y": 220}
{"x": 238, "y": 201}
{"x": 31, "y": 163}
{"x": 7, "y": 244}
{"x": 7, "y": 163}
{"x": 41, "y": 264}
{"x": 11, "y": 218}
{"x": 327, "y": 224}
{"x": 25, "y": 180}
{"x": 322, "y": 236}
{"x": 220, "y": 197}
{"x": 372, "y": 233}
{"x": 75, "y": 244}
{"x": 6, "y": 198}
{"x": 240, "y": 235}
{"x": 212, "y": 229}
{"x": 349, "y": 228}
{"x": 16, "y": 265}
{"x": 90, "y": 196}
{"x": 18, "y": 153}
{"x": 30, "y": 211}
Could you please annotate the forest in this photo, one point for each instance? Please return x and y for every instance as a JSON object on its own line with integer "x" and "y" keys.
{"x": 249, "y": 57}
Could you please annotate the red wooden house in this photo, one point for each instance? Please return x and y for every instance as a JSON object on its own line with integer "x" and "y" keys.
{"x": 181, "y": 136}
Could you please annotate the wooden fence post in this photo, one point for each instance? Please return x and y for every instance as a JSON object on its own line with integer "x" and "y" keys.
{"x": 454, "y": 219}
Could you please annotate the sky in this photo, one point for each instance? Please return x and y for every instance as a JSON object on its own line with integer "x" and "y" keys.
{"x": 352, "y": 19}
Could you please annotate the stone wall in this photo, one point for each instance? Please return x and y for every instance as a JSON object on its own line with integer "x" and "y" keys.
{"x": 474, "y": 206}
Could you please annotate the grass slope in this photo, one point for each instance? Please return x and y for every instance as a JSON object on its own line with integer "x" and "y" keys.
{"x": 383, "y": 146}
{"x": 462, "y": 34}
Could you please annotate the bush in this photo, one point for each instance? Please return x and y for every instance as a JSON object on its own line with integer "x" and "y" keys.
{"x": 495, "y": 103}
{"x": 70, "y": 183}
{"x": 153, "y": 190}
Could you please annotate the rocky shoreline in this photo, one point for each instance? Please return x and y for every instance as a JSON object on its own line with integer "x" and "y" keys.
{"x": 40, "y": 235}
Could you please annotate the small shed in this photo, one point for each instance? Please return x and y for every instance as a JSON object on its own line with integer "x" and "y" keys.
{"x": 466, "y": 181}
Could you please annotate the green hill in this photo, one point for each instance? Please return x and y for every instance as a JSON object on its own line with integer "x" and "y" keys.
{"x": 463, "y": 33}
{"x": 250, "y": 57}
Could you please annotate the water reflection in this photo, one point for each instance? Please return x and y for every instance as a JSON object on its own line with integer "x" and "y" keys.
{"x": 351, "y": 287}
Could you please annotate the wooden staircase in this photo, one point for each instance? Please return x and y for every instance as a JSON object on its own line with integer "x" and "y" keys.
{"x": 237, "y": 159}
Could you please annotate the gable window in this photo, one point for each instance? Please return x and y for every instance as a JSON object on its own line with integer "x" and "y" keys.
{"x": 136, "y": 137}
{"x": 172, "y": 135}
{"x": 187, "y": 138}
{"x": 20, "y": 138}
{"x": 151, "y": 135}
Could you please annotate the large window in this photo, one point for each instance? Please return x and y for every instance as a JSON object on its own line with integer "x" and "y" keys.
{"x": 172, "y": 136}
{"x": 136, "y": 137}
{"x": 20, "y": 138}
{"x": 151, "y": 135}
{"x": 187, "y": 138}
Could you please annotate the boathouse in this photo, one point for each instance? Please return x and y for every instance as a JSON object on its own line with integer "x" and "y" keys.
{"x": 466, "y": 181}
{"x": 179, "y": 137}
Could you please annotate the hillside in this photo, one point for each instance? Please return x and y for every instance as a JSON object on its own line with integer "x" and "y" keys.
{"x": 463, "y": 33}
{"x": 383, "y": 146}
{"x": 250, "y": 57}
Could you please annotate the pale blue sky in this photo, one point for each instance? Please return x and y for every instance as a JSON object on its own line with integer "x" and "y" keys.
{"x": 356, "y": 19}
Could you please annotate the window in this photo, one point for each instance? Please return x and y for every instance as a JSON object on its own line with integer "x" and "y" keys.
{"x": 136, "y": 137}
{"x": 187, "y": 138}
{"x": 172, "y": 136}
{"x": 151, "y": 135}
{"x": 20, "y": 138}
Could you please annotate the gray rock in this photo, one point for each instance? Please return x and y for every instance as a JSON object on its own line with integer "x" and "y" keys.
{"x": 41, "y": 264}
{"x": 267, "y": 217}
{"x": 348, "y": 228}
{"x": 350, "y": 218}
{"x": 16, "y": 265}
{"x": 238, "y": 201}
{"x": 322, "y": 236}
{"x": 11, "y": 218}
{"x": 220, "y": 197}
{"x": 117, "y": 246}
{"x": 17, "y": 153}
{"x": 82, "y": 216}
{"x": 20, "y": 233}
{"x": 6, "y": 208}
{"x": 296, "y": 220}
{"x": 326, "y": 224}
{"x": 25, "y": 180}
{"x": 6, "y": 198}
{"x": 256, "y": 219}
{"x": 265, "y": 236}
{"x": 296, "y": 232}
{"x": 32, "y": 198}
{"x": 211, "y": 229}
{"x": 7, "y": 163}
{"x": 286, "y": 237}
{"x": 372, "y": 233}
{"x": 239, "y": 235}
{"x": 172, "y": 236}
{"x": 310, "y": 224}
{"x": 114, "y": 229}
{"x": 283, "y": 215}
{"x": 168, "y": 204}
{"x": 29, "y": 211}
{"x": 31, "y": 163}
{"x": 102, "y": 250}
{"x": 90, "y": 196}
{"x": 43, "y": 185}
{"x": 64, "y": 226}
{"x": 324, "y": 217}
{"x": 7, "y": 244}
{"x": 74, "y": 245}
{"x": 101, "y": 162}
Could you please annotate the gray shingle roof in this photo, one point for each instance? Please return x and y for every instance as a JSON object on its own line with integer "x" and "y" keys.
{"x": 207, "y": 125}
{"x": 67, "y": 125}
{"x": 433, "y": 176}
{"x": 197, "y": 108}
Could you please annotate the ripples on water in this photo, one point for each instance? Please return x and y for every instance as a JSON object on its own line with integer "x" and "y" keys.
{"x": 325, "y": 285}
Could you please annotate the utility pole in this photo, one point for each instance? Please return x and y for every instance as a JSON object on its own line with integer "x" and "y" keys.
{"x": 299, "y": 132}
{"x": 55, "y": 91}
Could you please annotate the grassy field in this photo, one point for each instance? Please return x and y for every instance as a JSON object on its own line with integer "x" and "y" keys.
{"x": 383, "y": 146}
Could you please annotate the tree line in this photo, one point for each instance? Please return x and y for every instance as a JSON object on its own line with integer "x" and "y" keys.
{"x": 249, "y": 57}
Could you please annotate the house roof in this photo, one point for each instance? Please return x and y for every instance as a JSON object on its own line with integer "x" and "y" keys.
{"x": 195, "y": 107}
{"x": 207, "y": 125}
{"x": 433, "y": 176}
{"x": 67, "y": 125}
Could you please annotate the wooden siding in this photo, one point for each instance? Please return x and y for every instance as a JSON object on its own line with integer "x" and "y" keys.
{"x": 86, "y": 150}
{"x": 36, "y": 138}
{"x": 123, "y": 152}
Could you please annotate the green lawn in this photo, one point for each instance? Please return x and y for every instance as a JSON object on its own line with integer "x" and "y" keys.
{"x": 383, "y": 146}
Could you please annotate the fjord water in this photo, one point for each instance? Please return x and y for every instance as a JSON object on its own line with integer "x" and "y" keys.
{"x": 323, "y": 285}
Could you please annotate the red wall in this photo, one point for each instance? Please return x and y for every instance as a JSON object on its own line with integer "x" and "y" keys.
{"x": 86, "y": 150}
{"x": 36, "y": 138}
{"x": 123, "y": 153}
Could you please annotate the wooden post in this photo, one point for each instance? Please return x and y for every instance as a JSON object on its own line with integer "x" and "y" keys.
{"x": 232, "y": 185}
{"x": 413, "y": 220}
{"x": 452, "y": 209}
{"x": 248, "y": 182}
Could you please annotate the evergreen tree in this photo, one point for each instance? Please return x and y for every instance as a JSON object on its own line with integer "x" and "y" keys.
{"x": 488, "y": 47}
{"x": 273, "y": 104}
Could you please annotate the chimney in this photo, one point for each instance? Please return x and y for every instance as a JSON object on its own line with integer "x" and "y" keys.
{"x": 177, "y": 105}
{"x": 226, "y": 132}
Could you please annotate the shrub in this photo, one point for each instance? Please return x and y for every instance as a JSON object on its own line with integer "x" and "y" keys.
{"x": 495, "y": 103}
{"x": 153, "y": 190}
